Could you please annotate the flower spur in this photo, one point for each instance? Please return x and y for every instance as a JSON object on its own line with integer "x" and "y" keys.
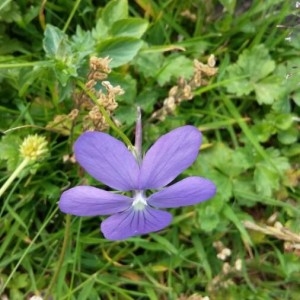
{"x": 108, "y": 160}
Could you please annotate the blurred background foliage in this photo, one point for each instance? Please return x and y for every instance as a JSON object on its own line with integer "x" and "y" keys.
{"x": 228, "y": 67}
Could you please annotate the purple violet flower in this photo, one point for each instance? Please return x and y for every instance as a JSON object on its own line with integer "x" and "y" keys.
{"x": 109, "y": 161}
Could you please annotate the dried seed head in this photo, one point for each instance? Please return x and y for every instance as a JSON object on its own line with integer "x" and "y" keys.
{"x": 34, "y": 147}
{"x": 100, "y": 64}
{"x": 211, "y": 61}
{"x": 226, "y": 252}
{"x": 238, "y": 264}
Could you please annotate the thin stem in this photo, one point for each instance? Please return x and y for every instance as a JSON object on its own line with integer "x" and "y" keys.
{"x": 62, "y": 255}
{"x": 108, "y": 120}
{"x": 25, "y": 64}
{"x": 71, "y": 15}
{"x": 13, "y": 176}
{"x": 138, "y": 135}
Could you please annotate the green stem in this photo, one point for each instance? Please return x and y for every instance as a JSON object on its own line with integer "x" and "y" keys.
{"x": 13, "y": 176}
{"x": 108, "y": 120}
{"x": 24, "y": 64}
{"x": 62, "y": 255}
{"x": 71, "y": 15}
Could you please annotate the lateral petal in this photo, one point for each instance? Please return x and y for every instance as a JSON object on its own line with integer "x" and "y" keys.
{"x": 107, "y": 160}
{"x": 131, "y": 223}
{"x": 171, "y": 154}
{"x": 188, "y": 191}
{"x": 90, "y": 201}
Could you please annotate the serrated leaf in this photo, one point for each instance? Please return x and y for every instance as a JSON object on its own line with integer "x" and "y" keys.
{"x": 266, "y": 179}
{"x": 209, "y": 213}
{"x": 149, "y": 63}
{"x": 121, "y": 49}
{"x": 252, "y": 66}
{"x": 267, "y": 175}
{"x": 176, "y": 67}
{"x": 115, "y": 10}
{"x": 134, "y": 27}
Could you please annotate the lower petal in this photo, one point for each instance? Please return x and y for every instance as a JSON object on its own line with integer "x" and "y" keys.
{"x": 90, "y": 201}
{"x": 189, "y": 191}
{"x": 135, "y": 222}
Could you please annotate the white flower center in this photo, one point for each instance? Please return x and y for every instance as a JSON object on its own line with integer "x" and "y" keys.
{"x": 139, "y": 200}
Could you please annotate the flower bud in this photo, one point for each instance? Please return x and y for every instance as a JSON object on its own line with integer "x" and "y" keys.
{"x": 34, "y": 147}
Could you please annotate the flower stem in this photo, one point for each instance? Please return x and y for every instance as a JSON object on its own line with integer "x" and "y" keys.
{"x": 13, "y": 176}
{"x": 62, "y": 255}
{"x": 108, "y": 120}
{"x": 138, "y": 136}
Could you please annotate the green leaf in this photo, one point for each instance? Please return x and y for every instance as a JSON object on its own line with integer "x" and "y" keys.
{"x": 209, "y": 213}
{"x": 134, "y": 27}
{"x": 266, "y": 179}
{"x": 267, "y": 176}
{"x": 56, "y": 43}
{"x": 9, "y": 151}
{"x": 176, "y": 67}
{"x": 289, "y": 136}
{"x": 121, "y": 49}
{"x": 252, "y": 66}
{"x": 283, "y": 121}
{"x": 231, "y": 215}
{"x": 267, "y": 91}
{"x": 149, "y": 64}
{"x": 296, "y": 98}
{"x": 228, "y": 161}
{"x": 115, "y": 10}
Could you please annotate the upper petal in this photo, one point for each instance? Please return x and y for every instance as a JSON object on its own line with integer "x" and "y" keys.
{"x": 90, "y": 201}
{"x": 169, "y": 156}
{"x": 107, "y": 159}
{"x": 134, "y": 222}
{"x": 186, "y": 192}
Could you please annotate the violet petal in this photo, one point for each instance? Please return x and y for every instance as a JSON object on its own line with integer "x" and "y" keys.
{"x": 134, "y": 222}
{"x": 107, "y": 160}
{"x": 169, "y": 156}
{"x": 188, "y": 191}
{"x": 90, "y": 201}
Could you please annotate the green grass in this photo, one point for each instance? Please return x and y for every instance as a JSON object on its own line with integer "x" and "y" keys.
{"x": 249, "y": 116}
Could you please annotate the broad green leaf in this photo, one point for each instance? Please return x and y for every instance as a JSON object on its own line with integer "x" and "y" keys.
{"x": 134, "y": 27}
{"x": 56, "y": 43}
{"x": 114, "y": 11}
{"x": 121, "y": 49}
{"x": 100, "y": 31}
